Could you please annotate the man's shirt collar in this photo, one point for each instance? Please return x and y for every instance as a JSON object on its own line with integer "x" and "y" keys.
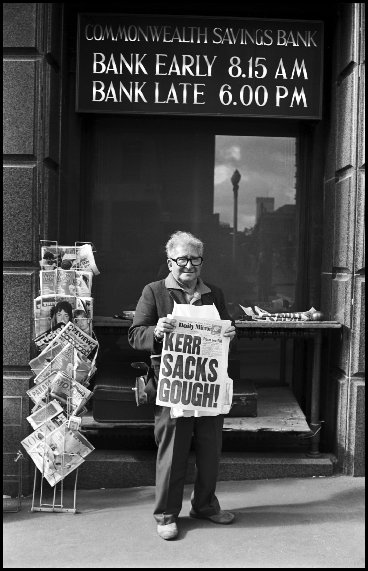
{"x": 171, "y": 283}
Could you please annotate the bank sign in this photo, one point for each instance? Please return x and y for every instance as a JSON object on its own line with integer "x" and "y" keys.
{"x": 141, "y": 64}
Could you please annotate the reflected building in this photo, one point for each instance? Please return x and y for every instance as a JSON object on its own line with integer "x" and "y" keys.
{"x": 274, "y": 252}
{"x": 266, "y": 265}
{"x": 264, "y": 204}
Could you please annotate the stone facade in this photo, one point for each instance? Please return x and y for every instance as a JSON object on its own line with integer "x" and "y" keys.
{"x": 33, "y": 87}
{"x": 31, "y": 119}
{"x": 343, "y": 276}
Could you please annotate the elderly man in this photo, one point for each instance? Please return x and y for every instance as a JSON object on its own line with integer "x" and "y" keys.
{"x": 173, "y": 435}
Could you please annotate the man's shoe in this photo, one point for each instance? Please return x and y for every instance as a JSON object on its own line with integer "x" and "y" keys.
{"x": 222, "y": 517}
{"x": 168, "y": 531}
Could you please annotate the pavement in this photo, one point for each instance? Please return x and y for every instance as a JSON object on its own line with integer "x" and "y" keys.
{"x": 313, "y": 522}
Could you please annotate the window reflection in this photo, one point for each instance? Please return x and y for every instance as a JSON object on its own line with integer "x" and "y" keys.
{"x": 257, "y": 237}
{"x": 145, "y": 179}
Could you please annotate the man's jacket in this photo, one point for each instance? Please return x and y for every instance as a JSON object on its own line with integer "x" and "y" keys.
{"x": 158, "y": 301}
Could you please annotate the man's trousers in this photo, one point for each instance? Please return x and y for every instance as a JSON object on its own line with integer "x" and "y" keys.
{"x": 173, "y": 437}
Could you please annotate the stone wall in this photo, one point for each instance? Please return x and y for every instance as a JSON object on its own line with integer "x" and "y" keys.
{"x": 32, "y": 53}
{"x": 343, "y": 277}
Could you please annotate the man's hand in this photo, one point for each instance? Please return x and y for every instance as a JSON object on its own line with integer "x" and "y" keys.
{"x": 164, "y": 325}
{"x": 230, "y": 332}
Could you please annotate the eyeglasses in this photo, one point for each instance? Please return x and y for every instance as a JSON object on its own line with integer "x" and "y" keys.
{"x": 182, "y": 262}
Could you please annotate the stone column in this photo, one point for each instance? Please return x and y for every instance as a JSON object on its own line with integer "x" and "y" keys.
{"x": 343, "y": 277}
{"x": 32, "y": 60}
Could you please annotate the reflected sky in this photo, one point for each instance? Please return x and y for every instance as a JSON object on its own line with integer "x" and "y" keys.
{"x": 267, "y": 168}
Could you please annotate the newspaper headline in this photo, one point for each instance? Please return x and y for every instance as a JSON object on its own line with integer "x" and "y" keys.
{"x": 193, "y": 371}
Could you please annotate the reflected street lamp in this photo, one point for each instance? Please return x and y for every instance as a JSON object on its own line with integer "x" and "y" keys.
{"x": 235, "y": 179}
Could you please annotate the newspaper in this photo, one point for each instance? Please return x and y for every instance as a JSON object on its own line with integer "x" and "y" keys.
{"x": 193, "y": 372}
{"x": 42, "y": 341}
{"x": 59, "y": 356}
{"x": 39, "y": 434}
{"x": 45, "y": 357}
{"x": 41, "y": 391}
{"x": 259, "y": 314}
{"x": 59, "y": 453}
{"x": 68, "y": 257}
{"x": 55, "y": 256}
{"x": 81, "y": 341}
{"x": 63, "y": 361}
{"x": 44, "y": 413}
{"x": 43, "y": 304}
{"x": 79, "y": 309}
{"x": 70, "y": 394}
{"x": 83, "y": 283}
{"x": 84, "y": 369}
{"x": 85, "y": 259}
{"x": 66, "y": 282}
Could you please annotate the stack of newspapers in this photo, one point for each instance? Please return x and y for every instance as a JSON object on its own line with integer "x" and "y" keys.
{"x": 66, "y": 350}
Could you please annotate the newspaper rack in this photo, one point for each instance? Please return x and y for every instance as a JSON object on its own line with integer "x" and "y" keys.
{"x": 48, "y": 450}
{"x": 54, "y": 507}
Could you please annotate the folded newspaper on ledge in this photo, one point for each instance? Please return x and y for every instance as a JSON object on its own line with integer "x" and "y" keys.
{"x": 68, "y": 257}
{"x": 58, "y": 452}
{"x": 259, "y": 314}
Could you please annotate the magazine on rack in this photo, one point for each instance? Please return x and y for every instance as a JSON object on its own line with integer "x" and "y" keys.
{"x": 66, "y": 282}
{"x": 48, "y": 282}
{"x": 45, "y": 357}
{"x": 59, "y": 453}
{"x": 43, "y": 304}
{"x": 79, "y": 309}
{"x": 69, "y": 393}
{"x": 38, "y": 393}
{"x": 63, "y": 357}
{"x": 68, "y": 257}
{"x": 42, "y": 341}
{"x": 39, "y": 434}
{"x": 63, "y": 361}
{"x": 44, "y": 413}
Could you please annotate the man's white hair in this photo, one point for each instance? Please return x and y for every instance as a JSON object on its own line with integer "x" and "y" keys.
{"x": 180, "y": 238}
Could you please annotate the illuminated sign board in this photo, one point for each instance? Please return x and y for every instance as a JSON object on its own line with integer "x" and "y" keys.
{"x": 181, "y": 65}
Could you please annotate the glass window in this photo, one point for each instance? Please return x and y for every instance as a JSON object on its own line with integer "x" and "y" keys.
{"x": 145, "y": 178}
{"x": 255, "y": 207}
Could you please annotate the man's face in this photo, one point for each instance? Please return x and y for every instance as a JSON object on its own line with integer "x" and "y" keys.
{"x": 187, "y": 275}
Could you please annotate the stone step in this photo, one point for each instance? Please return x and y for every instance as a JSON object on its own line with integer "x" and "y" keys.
{"x": 121, "y": 469}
